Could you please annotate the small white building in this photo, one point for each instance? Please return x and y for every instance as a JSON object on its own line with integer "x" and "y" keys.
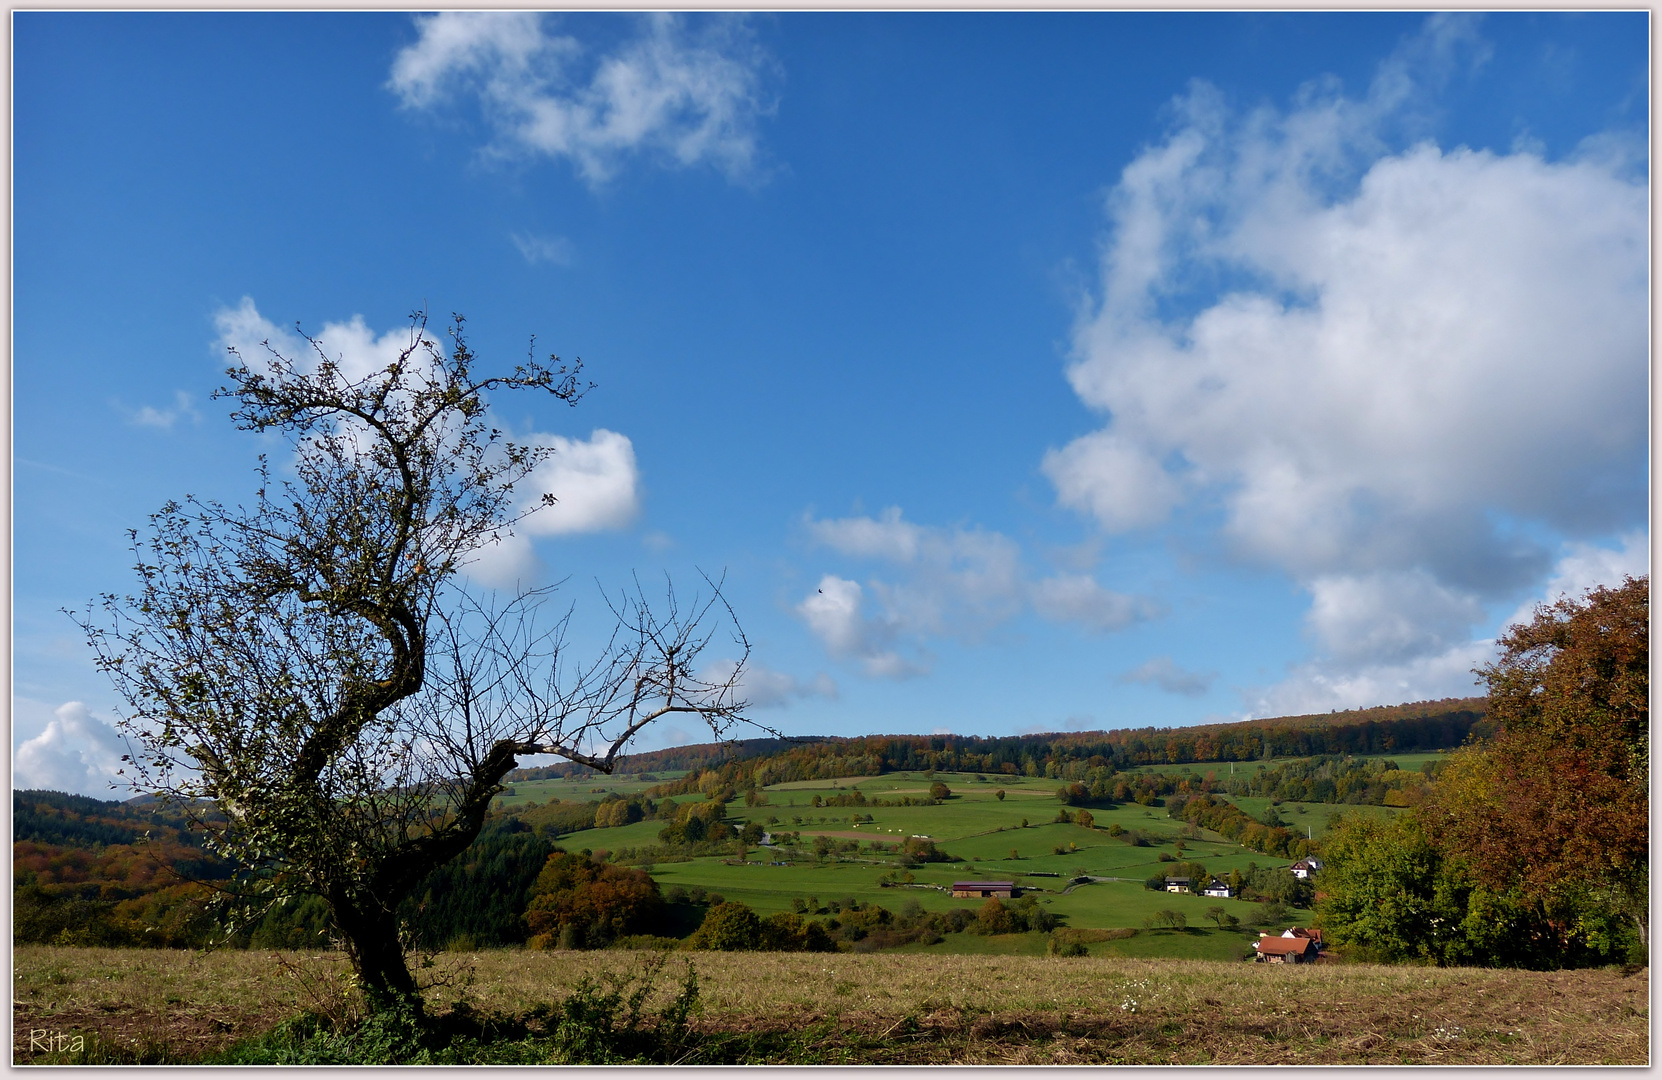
{"x": 1306, "y": 868}
{"x": 1177, "y": 884}
{"x": 1216, "y": 888}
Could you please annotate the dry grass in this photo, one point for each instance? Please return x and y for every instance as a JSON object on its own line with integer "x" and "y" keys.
{"x": 904, "y": 1009}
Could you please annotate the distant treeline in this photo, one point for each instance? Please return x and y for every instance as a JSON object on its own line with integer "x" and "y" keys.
{"x": 673, "y": 759}
{"x": 1437, "y": 725}
{"x": 1386, "y": 729}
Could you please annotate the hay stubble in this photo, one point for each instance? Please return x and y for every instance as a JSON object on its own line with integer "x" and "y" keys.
{"x": 894, "y": 1008}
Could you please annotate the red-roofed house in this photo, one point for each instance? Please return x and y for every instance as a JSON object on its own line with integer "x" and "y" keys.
{"x": 1285, "y": 950}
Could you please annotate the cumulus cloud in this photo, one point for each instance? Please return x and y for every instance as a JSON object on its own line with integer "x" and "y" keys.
{"x": 687, "y": 91}
{"x": 355, "y": 349}
{"x": 1405, "y": 373}
{"x": 77, "y": 753}
{"x": 1320, "y": 686}
{"x": 1390, "y": 657}
{"x": 956, "y": 581}
{"x": 1389, "y": 615}
{"x": 835, "y": 614}
{"x": 1164, "y": 672}
{"x": 595, "y": 482}
{"x": 951, "y": 582}
{"x": 765, "y": 688}
{"x": 1112, "y": 478}
{"x": 1584, "y": 566}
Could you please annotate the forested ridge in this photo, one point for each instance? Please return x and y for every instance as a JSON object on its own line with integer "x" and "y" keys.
{"x": 1401, "y": 729}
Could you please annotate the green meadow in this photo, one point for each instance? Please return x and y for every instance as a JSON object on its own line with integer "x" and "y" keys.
{"x": 1013, "y": 837}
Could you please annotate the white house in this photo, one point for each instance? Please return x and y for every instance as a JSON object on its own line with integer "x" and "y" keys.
{"x": 1219, "y": 889}
{"x": 1306, "y": 868}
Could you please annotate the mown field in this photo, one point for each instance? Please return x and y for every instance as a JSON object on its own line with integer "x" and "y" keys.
{"x": 896, "y": 1008}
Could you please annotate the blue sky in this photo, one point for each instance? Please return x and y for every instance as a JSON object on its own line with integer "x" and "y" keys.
{"x": 1020, "y": 372}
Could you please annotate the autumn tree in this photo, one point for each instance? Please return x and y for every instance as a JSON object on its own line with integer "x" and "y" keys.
{"x": 312, "y": 679}
{"x": 1557, "y": 804}
{"x": 577, "y": 903}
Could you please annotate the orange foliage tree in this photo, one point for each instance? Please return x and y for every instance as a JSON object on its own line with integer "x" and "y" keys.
{"x": 1557, "y": 803}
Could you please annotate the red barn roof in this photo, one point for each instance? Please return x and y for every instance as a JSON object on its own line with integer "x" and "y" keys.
{"x": 1280, "y": 946}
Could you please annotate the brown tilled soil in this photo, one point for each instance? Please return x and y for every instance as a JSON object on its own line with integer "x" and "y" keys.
{"x": 900, "y": 1009}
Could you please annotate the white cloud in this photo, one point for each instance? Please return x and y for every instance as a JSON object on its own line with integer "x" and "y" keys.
{"x": 951, "y": 582}
{"x": 356, "y": 350}
{"x": 596, "y": 483}
{"x": 1320, "y": 686}
{"x": 764, "y": 688}
{"x": 1584, "y": 566}
{"x": 1402, "y": 372}
{"x": 834, "y": 614}
{"x": 77, "y": 753}
{"x": 1397, "y": 638}
{"x": 1163, "y": 671}
{"x": 1079, "y": 598}
{"x": 1389, "y": 616}
{"x": 544, "y": 249}
{"x": 1453, "y": 334}
{"x": 1113, "y": 479}
{"x": 685, "y": 90}
{"x": 164, "y": 419}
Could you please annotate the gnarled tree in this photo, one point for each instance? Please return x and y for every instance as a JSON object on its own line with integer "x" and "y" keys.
{"x": 315, "y": 680}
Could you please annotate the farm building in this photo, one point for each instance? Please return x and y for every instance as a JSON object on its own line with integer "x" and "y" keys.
{"x": 1306, "y": 868}
{"x": 1177, "y": 884}
{"x": 1219, "y": 889}
{"x": 982, "y": 889}
{"x": 1309, "y": 933}
{"x": 1285, "y": 950}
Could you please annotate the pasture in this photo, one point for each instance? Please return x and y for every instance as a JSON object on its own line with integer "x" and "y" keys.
{"x": 986, "y": 833}
{"x": 996, "y": 826}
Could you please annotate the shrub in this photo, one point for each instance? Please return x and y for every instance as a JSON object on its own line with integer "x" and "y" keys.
{"x": 1071, "y": 948}
{"x": 582, "y": 904}
{"x": 728, "y": 927}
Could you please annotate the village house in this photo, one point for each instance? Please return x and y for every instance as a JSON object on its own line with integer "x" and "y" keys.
{"x": 1306, "y": 868}
{"x": 1217, "y": 888}
{"x": 1285, "y": 950}
{"x": 1309, "y": 933}
{"x": 1177, "y": 884}
{"x": 982, "y": 889}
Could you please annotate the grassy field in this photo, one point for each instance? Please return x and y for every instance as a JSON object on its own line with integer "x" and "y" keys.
{"x": 983, "y": 831}
{"x": 902, "y": 1008}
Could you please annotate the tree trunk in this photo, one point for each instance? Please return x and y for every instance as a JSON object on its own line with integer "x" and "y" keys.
{"x": 373, "y": 947}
